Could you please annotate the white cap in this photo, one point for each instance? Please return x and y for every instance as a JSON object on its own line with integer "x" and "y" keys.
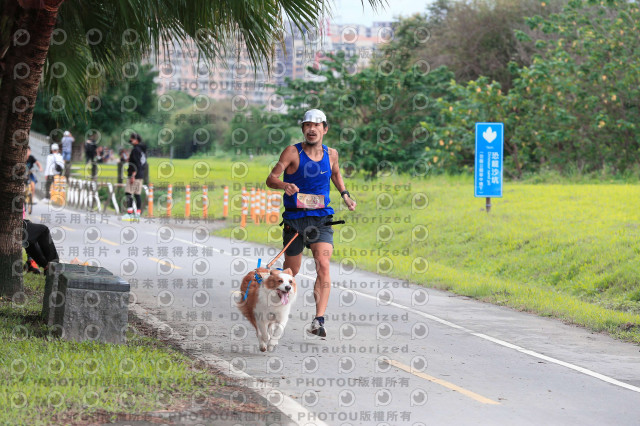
{"x": 55, "y": 147}
{"x": 67, "y": 133}
{"x": 314, "y": 116}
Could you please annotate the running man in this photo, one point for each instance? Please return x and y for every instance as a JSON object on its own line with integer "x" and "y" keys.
{"x": 308, "y": 167}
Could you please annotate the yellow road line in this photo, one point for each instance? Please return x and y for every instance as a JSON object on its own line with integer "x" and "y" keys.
{"x": 104, "y": 240}
{"x": 444, "y": 383}
{"x": 66, "y": 228}
{"x": 164, "y": 262}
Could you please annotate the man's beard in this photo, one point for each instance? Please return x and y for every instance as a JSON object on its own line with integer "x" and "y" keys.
{"x": 309, "y": 142}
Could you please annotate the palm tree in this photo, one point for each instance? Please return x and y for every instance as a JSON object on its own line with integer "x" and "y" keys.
{"x": 70, "y": 47}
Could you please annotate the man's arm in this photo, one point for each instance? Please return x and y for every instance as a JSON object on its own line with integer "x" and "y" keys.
{"x": 336, "y": 178}
{"x": 273, "y": 180}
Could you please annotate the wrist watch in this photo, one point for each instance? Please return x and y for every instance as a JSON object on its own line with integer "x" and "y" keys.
{"x": 342, "y": 194}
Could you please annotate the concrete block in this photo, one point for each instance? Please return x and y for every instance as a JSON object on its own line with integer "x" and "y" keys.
{"x": 91, "y": 307}
{"x": 51, "y": 298}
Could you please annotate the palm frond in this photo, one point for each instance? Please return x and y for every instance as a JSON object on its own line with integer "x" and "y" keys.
{"x": 108, "y": 34}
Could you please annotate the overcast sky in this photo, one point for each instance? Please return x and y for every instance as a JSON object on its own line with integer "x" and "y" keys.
{"x": 352, "y": 12}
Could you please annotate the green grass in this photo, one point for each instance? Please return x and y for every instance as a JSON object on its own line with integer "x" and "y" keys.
{"x": 47, "y": 380}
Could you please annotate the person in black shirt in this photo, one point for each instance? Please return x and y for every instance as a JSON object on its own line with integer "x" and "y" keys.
{"x": 31, "y": 178}
{"x": 135, "y": 177}
{"x": 90, "y": 153}
{"x": 37, "y": 241}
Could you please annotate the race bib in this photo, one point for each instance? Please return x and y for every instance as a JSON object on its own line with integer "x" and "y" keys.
{"x": 309, "y": 201}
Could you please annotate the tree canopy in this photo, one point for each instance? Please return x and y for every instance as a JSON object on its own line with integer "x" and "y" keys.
{"x": 575, "y": 108}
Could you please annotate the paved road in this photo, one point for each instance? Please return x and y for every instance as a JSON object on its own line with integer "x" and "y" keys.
{"x": 396, "y": 353}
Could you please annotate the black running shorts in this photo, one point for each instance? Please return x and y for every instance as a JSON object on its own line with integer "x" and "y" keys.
{"x": 311, "y": 230}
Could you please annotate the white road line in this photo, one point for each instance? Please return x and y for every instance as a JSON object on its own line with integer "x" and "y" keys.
{"x": 520, "y": 349}
{"x": 288, "y": 406}
{"x": 189, "y": 242}
{"x": 197, "y": 244}
{"x": 511, "y": 346}
{"x": 194, "y": 244}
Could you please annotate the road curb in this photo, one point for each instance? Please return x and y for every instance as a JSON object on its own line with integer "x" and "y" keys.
{"x": 289, "y": 408}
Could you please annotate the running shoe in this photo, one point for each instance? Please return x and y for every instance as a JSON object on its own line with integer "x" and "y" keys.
{"x": 317, "y": 328}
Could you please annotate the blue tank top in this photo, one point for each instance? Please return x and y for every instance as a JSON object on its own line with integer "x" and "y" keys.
{"x": 312, "y": 177}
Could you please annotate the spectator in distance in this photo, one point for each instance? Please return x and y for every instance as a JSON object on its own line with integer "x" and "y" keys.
{"x": 54, "y": 166}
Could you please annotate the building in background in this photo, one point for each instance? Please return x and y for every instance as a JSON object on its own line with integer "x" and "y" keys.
{"x": 234, "y": 78}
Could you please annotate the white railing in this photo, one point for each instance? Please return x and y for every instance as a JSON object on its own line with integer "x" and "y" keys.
{"x": 83, "y": 194}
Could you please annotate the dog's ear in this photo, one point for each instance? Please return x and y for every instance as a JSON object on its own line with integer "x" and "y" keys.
{"x": 288, "y": 271}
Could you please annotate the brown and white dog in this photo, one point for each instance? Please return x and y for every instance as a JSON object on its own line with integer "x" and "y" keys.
{"x": 268, "y": 303}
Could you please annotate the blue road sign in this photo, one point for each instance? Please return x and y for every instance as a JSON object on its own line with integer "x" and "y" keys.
{"x": 489, "y": 156}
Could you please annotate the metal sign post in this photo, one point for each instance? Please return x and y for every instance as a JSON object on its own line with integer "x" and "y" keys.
{"x": 489, "y": 161}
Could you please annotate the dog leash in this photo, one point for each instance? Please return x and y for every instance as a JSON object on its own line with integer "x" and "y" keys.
{"x": 257, "y": 276}
{"x": 280, "y": 254}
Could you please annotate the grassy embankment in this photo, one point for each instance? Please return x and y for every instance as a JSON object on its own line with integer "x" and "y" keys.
{"x": 567, "y": 249}
{"x": 46, "y": 380}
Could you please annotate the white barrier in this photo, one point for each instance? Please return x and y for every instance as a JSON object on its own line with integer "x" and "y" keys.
{"x": 83, "y": 194}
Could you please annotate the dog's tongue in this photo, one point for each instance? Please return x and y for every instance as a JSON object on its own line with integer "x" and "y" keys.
{"x": 284, "y": 297}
